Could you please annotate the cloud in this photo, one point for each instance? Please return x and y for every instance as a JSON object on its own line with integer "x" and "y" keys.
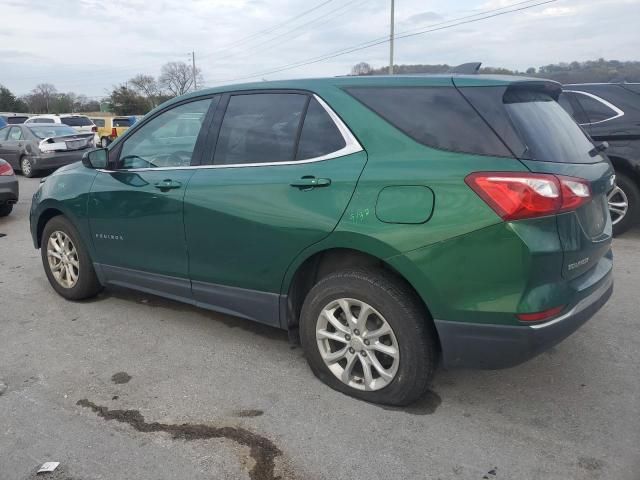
{"x": 90, "y": 45}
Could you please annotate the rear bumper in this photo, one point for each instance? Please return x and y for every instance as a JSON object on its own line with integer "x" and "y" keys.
{"x": 56, "y": 159}
{"x": 8, "y": 189}
{"x": 474, "y": 345}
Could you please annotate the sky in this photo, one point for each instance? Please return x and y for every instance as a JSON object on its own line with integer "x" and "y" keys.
{"x": 90, "y": 46}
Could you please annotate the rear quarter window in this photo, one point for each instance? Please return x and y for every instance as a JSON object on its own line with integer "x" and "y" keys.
{"x": 437, "y": 117}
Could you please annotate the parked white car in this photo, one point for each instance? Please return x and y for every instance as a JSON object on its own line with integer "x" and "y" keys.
{"x": 80, "y": 123}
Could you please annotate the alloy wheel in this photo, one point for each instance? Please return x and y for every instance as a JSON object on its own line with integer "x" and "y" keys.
{"x": 357, "y": 344}
{"x": 618, "y": 204}
{"x": 63, "y": 259}
{"x": 25, "y": 167}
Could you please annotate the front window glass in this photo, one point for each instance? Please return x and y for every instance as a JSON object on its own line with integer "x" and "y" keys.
{"x": 168, "y": 140}
{"x": 260, "y": 128}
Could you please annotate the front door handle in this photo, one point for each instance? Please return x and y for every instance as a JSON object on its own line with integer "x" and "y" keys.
{"x": 167, "y": 184}
{"x": 309, "y": 182}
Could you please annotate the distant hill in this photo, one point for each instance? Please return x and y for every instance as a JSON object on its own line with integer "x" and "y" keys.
{"x": 592, "y": 71}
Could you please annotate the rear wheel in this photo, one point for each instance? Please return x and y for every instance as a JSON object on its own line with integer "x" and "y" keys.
{"x": 104, "y": 142}
{"x": 66, "y": 261}
{"x": 624, "y": 204}
{"x": 5, "y": 209}
{"x": 26, "y": 167}
{"x": 367, "y": 335}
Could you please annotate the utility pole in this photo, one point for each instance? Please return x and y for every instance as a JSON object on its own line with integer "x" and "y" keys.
{"x": 193, "y": 63}
{"x": 391, "y": 38}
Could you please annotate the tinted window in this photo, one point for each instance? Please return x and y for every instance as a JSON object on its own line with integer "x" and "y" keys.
{"x": 439, "y": 117}
{"x": 320, "y": 135}
{"x": 76, "y": 121}
{"x": 3, "y": 133}
{"x": 46, "y": 131}
{"x": 260, "y": 128}
{"x": 15, "y": 119}
{"x": 43, "y": 120}
{"x": 98, "y": 122}
{"x": 595, "y": 109}
{"x": 15, "y": 134}
{"x": 121, "y": 122}
{"x": 550, "y": 134}
{"x": 168, "y": 140}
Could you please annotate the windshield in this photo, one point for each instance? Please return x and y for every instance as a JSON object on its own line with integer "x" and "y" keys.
{"x": 76, "y": 121}
{"x": 547, "y": 130}
{"x": 46, "y": 131}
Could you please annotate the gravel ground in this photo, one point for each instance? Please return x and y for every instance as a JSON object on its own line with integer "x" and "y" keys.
{"x": 130, "y": 386}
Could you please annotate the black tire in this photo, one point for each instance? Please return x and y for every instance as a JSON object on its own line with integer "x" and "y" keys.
{"x": 104, "y": 142}
{"x": 87, "y": 284}
{"x": 26, "y": 168}
{"x": 411, "y": 324}
{"x": 5, "y": 209}
{"x": 632, "y": 192}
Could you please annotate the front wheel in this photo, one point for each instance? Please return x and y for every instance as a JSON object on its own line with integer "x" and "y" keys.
{"x": 66, "y": 261}
{"x": 366, "y": 334}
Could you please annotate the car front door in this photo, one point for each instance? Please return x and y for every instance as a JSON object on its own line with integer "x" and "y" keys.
{"x": 136, "y": 207}
{"x": 283, "y": 172}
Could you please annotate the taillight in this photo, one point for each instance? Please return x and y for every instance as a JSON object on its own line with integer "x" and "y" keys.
{"x": 94, "y": 129}
{"x": 114, "y": 132}
{"x": 515, "y": 196}
{"x": 540, "y": 316}
{"x": 5, "y": 169}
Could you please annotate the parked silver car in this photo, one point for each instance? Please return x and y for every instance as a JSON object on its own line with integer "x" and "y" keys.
{"x": 30, "y": 148}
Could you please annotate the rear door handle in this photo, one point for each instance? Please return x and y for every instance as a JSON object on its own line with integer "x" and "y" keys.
{"x": 309, "y": 182}
{"x": 167, "y": 184}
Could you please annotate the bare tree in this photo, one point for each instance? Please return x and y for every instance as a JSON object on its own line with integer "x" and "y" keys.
{"x": 177, "y": 77}
{"x": 41, "y": 97}
{"x": 362, "y": 68}
{"x": 148, "y": 86}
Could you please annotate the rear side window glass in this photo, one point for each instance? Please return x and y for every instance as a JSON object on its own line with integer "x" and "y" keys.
{"x": 98, "y": 122}
{"x": 260, "y": 128}
{"x": 76, "y": 121}
{"x": 546, "y": 129}
{"x": 121, "y": 122}
{"x": 320, "y": 135}
{"x": 595, "y": 109}
{"x": 438, "y": 117}
{"x": 44, "y": 120}
{"x": 15, "y": 134}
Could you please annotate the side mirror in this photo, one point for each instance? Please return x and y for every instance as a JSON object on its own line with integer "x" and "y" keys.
{"x": 98, "y": 158}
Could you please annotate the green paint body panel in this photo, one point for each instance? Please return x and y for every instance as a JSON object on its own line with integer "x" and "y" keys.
{"x": 397, "y": 200}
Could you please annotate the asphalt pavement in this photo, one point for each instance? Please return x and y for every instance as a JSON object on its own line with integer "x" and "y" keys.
{"x": 130, "y": 386}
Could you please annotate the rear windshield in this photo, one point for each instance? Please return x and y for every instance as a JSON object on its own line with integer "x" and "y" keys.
{"x": 14, "y": 120}
{"x": 121, "y": 122}
{"x": 98, "y": 122}
{"x": 46, "y": 131}
{"x": 76, "y": 121}
{"x": 547, "y": 130}
{"x": 438, "y": 117}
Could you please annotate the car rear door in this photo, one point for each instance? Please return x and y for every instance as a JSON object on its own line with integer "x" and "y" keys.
{"x": 284, "y": 170}
{"x": 136, "y": 207}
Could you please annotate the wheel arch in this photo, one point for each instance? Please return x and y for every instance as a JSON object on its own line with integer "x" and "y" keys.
{"x": 626, "y": 166}
{"x": 321, "y": 262}
{"x": 43, "y": 219}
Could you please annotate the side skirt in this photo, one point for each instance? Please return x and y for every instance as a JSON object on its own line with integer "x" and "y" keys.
{"x": 262, "y": 307}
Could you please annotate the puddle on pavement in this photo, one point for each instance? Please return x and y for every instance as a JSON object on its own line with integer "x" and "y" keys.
{"x": 262, "y": 450}
{"x": 120, "y": 378}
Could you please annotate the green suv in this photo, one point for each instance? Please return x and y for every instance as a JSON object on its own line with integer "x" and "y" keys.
{"x": 387, "y": 222}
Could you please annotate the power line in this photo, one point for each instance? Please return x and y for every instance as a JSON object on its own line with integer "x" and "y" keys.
{"x": 373, "y": 43}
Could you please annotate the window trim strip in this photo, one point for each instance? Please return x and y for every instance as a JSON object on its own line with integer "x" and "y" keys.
{"x": 619, "y": 113}
{"x": 351, "y": 146}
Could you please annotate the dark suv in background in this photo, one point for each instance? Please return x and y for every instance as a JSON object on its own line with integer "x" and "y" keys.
{"x": 611, "y": 112}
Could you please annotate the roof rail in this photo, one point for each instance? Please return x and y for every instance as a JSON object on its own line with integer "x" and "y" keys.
{"x": 467, "y": 68}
